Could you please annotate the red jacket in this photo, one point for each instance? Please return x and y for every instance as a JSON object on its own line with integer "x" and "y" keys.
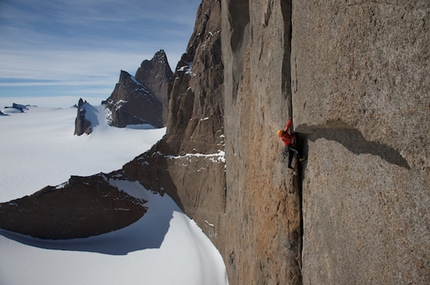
{"x": 286, "y": 138}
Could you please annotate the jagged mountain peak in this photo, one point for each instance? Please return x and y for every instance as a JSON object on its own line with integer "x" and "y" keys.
{"x": 156, "y": 75}
{"x": 158, "y": 63}
{"x": 141, "y": 99}
{"x": 132, "y": 102}
{"x": 127, "y": 78}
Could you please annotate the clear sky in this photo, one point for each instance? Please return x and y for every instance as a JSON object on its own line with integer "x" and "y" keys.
{"x": 78, "y": 47}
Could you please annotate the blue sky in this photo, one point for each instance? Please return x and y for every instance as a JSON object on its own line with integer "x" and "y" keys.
{"x": 78, "y": 47}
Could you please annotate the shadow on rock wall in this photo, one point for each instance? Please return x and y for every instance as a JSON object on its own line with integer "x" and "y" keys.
{"x": 354, "y": 141}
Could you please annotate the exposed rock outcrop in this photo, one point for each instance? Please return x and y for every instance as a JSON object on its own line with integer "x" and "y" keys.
{"x": 142, "y": 98}
{"x": 82, "y": 207}
{"x": 188, "y": 163}
{"x": 82, "y": 124}
{"x": 359, "y": 98}
{"x": 155, "y": 74}
{"x": 132, "y": 103}
{"x": 361, "y": 94}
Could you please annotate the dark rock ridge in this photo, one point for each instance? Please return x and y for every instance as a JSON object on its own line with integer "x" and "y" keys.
{"x": 156, "y": 74}
{"x": 143, "y": 98}
{"x": 82, "y": 124}
{"x": 82, "y": 207}
{"x": 132, "y": 103}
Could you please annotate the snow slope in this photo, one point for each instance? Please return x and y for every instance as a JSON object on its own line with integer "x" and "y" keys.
{"x": 38, "y": 148}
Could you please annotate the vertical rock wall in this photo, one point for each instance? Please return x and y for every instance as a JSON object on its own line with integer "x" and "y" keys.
{"x": 356, "y": 83}
{"x": 263, "y": 227}
{"x": 361, "y": 93}
{"x": 195, "y": 132}
{"x": 189, "y": 162}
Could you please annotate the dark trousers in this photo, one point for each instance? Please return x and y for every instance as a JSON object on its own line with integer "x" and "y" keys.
{"x": 290, "y": 151}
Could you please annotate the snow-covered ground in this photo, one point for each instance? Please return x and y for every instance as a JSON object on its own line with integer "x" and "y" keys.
{"x": 38, "y": 148}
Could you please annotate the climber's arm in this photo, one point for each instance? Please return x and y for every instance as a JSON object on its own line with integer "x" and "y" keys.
{"x": 287, "y": 125}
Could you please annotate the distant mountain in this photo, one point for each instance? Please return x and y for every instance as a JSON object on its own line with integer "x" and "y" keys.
{"x": 136, "y": 100}
{"x": 18, "y": 107}
{"x": 133, "y": 103}
{"x": 142, "y": 98}
{"x": 156, "y": 74}
{"x": 86, "y": 118}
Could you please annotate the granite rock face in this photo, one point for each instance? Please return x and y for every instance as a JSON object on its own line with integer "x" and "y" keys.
{"x": 361, "y": 100}
{"x": 353, "y": 75}
{"x": 263, "y": 197}
{"x": 155, "y": 74}
{"x": 132, "y": 103}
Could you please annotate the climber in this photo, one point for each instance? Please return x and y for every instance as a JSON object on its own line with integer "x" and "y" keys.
{"x": 289, "y": 140}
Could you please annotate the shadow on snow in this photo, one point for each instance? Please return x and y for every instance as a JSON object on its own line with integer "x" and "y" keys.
{"x": 147, "y": 233}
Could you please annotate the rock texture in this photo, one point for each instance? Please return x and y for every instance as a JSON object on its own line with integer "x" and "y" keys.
{"x": 263, "y": 197}
{"x": 82, "y": 124}
{"x": 133, "y": 103}
{"x": 361, "y": 94}
{"x": 82, "y": 207}
{"x": 354, "y": 78}
{"x": 155, "y": 74}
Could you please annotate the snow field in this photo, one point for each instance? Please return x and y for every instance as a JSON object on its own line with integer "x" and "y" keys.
{"x": 38, "y": 148}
